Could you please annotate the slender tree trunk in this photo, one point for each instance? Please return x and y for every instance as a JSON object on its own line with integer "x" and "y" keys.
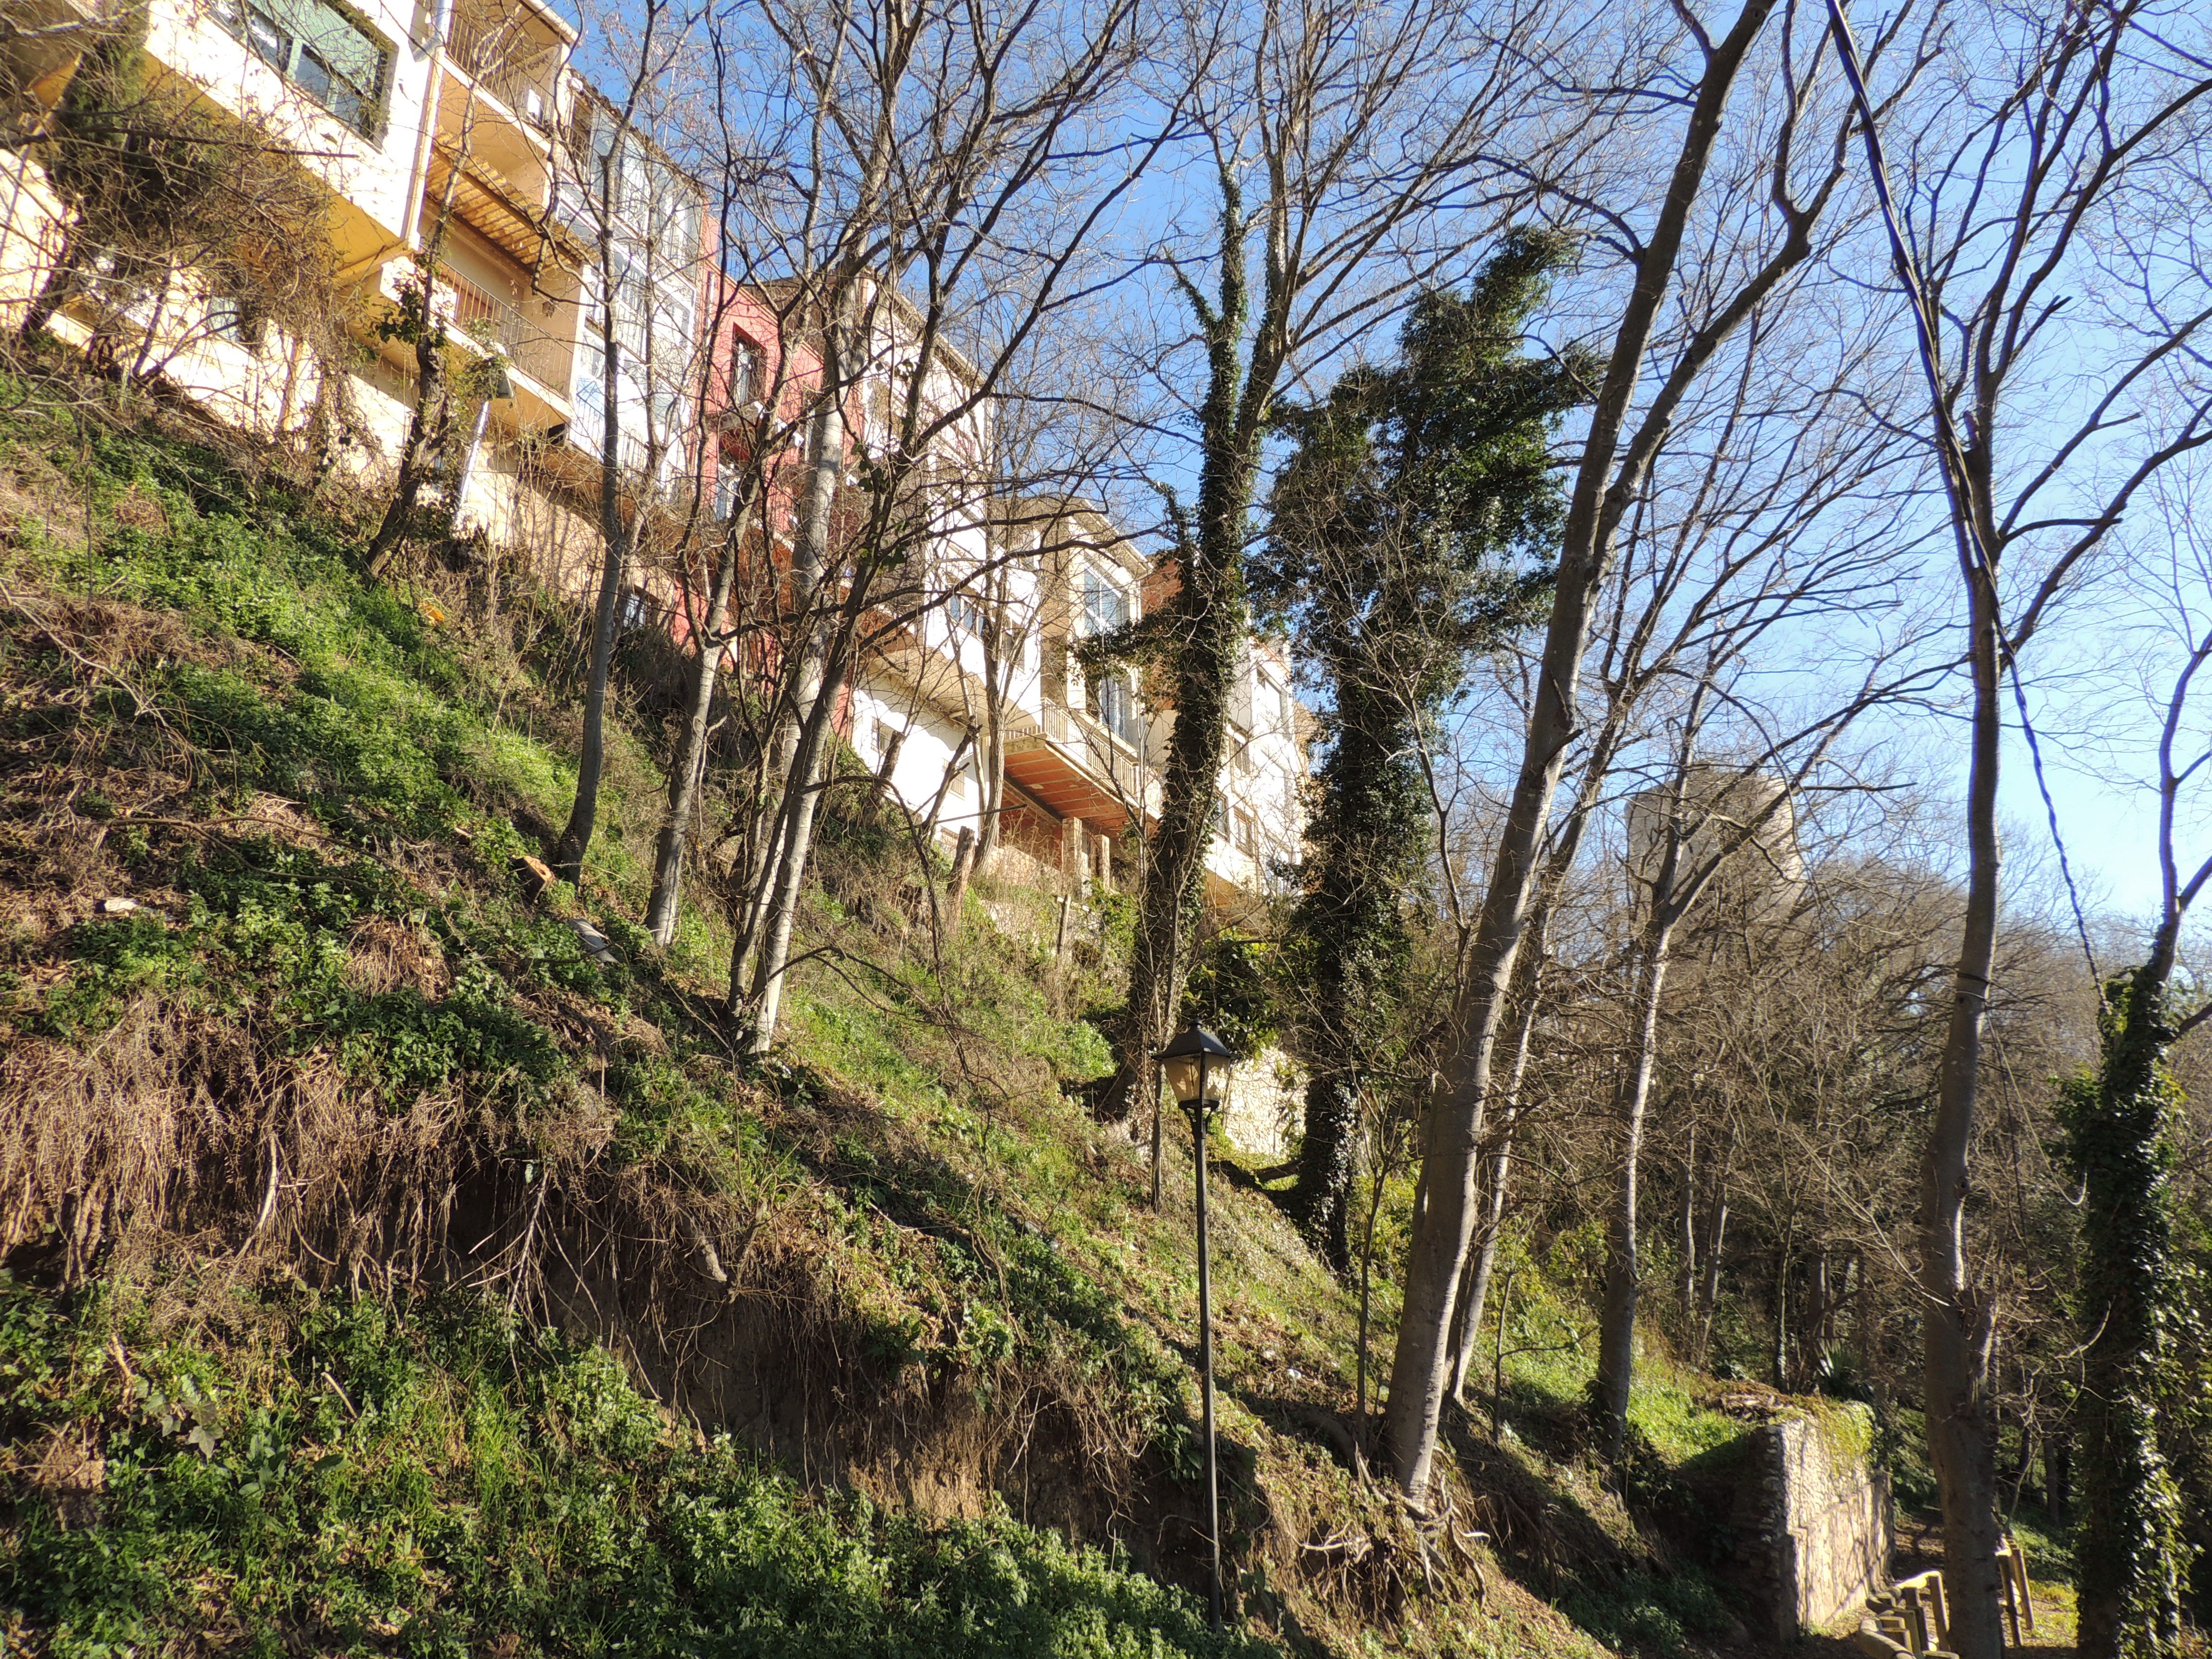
{"x": 55, "y": 292}
{"x": 1780, "y": 1356}
{"x": 1485, "y": 1266}
{"x": 1689, "y": 1285}
{"x": 1958, "y": 1318}
{"x": 812, "y": 700}
{"x": 1616, "y": 1348}
{"x": 1603, "y": 486}
{"x": 1366, "y": 1288}
{"x": 782, "y": 911}
{"x": 964, "y": 866}
{"x": 997, "y": 684}
{"x": 1476, "y": 1291}
{"x": 430, "y": 426}
{"x": 1709, "y": 1292}
{"x": 688, "y": 776}
{"x": 617, "y": 544}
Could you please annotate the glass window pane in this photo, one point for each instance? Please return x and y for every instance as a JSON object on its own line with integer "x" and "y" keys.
{"x": 345, "y": 49}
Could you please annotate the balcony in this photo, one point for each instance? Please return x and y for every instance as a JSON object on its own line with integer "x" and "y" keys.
{"x": 1077, "y": 769}
{"x": 514, "y": 53}
{"x": 529, "y": 346}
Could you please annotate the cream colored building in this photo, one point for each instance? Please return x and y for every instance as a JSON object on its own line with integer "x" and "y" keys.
{"x": 463, "y": 126}
{"x": 460, "y": 125}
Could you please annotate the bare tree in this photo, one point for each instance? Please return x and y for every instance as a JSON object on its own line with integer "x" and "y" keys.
{"x": 1341, "y": 141}
{"x": 2120, "y": 1121}
{"x": 1726, "y": 284}
{"x": 642, "y": 289}
{"x": 2055, "y": 156}
{"x": 952, "y": 168}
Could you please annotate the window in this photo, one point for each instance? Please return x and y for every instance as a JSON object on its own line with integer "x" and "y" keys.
{"x": 728, "y": 477}
{"x": 1117, "y": 709}
{"x": 1240, "y": 691}
{"x": 228, "y": 318}
{"x": 962, "y": 610}
{"x": 319, "y": 49}
{"x": 636, "y": 612}
{"x": 1105, "y": 607}
{"x": 744, "y": 371}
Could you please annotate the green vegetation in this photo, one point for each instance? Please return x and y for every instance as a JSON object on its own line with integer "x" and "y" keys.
{"x": 312, "y": 787}
{"x": 433, "y": 1477}
{"x": 318, "y": 1374}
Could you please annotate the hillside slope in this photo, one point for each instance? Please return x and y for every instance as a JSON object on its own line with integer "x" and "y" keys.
{"x": 384, "y": 1271}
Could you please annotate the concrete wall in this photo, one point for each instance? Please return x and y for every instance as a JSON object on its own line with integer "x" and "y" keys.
{"x": 1815, "y": 1519}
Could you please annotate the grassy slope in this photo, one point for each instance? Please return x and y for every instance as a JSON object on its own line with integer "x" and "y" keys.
{"x": 227, "y": 1417}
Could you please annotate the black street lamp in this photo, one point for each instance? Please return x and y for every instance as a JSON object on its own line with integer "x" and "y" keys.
{"x": 1198, "y": 1065}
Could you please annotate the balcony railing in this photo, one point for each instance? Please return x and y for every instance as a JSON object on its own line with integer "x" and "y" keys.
{"x": 545, "y": 357}
{"x": 517, "y": 69}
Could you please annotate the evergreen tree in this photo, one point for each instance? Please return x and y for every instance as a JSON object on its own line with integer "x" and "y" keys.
{"x": 1404, "y": 543}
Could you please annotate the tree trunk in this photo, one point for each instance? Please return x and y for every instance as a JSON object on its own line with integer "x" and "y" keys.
{"x": 1476, "y": 1291}
{"x": 1778, "y": 1355}
{"x": 1959, "y": 1322}
{"x": 1616, "y": 1346}
{"x": 963, "y": 866}
{"x": 2127, "y": 1548}
{"x": 1688, "y": 1293}
{"x": 426, "y": 431}
{"x": 998, "y": 682}
{"x": 617, "y": 544}
{"x": 1321, "y": 1201}
{"x": 1210, "y": 604}
{"x": 812, "y": 700}
{"x": 1209, "y": 617}
{"x": 431, "y": 425}
{"x": 54, "y": 292}
{"x": 1709, "y": 1293}
{"x": 688, "y": 776}
{"x": 1441, "y": 1230}
{"x": 803, "y": 795}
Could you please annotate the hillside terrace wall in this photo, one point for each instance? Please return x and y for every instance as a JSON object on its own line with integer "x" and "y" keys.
{"x": 1814, "y": 1519}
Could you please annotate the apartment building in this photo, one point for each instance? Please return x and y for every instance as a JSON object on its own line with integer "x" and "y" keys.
{"x": 460, "y": 130}
{"x": 1080, "y": 751}
{"x": 459, "y": 133}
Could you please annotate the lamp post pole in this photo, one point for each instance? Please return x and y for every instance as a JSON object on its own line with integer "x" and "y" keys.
{"x": 1189, "y": 1081}
{"x": 1206, "y": 1345}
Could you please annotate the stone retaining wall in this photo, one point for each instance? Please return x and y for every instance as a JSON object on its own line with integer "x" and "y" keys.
{"x": 1815, "y": 1519}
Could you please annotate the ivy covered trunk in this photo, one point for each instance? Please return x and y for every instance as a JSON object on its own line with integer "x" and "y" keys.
{"x": 1364, "y": 835}
{"x": 2128, "y": 1548}
{"x": 1204, "y": 623}
{"x": 1207, "y": 621}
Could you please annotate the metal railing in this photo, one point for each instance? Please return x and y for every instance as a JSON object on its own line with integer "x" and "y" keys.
{"x": 492, "y": 46}
{"x": 545, "y": 357}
